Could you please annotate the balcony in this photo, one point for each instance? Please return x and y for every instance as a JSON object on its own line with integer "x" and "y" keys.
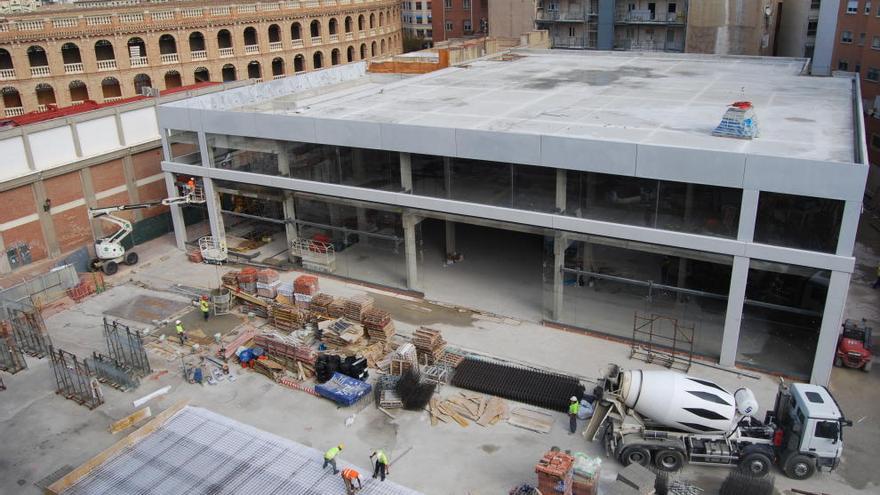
{"x": 362, "y": 35}
{"x": 111, "y": 99}
{"x": 372, "y": 32}
{"x": 573, "y": 42}
{"x": 297, "y": 43}
{"x": 648, "y": 45}
{"x": 349, "y": 36}
{"x": 572, "y": 15}
{"x": 40, "y": 71}
{"x": 6, "y": 74}
{"x": 14, "y": 111}
{"x": 276, "y": 46}
{"x": 334, "y": 38}
{"x": 278, "y": 76}
{"x": 76, "y": 68}
{"x": 198, "y": 55}
{"x": 250, "y": 49}
{"x": 316, "y": 40}
{"x": 227, "y": 52}
{"x": 648, "y": 17}
{"x": 169, "y": 58}
{"x": 42, "y": 108}
{"x": 107, "y": 64}
{"x": 139, "y": 62}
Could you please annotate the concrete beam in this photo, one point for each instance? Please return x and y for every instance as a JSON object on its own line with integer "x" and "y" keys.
{"x": 176, "y": 213}
{"x": 46, "y": 223}
{"x": 733, "y": 319}
{"x": 832, "y": 317}
{"x": 409, "y": 241}
{"x": 120, "y": 132}
{"x": 849, "y": 225}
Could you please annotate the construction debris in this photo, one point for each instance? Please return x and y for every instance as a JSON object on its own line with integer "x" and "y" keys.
{"x": 130, "y": 420}
{"x": 465, "y": 407}
{"x": 341, "y": 333}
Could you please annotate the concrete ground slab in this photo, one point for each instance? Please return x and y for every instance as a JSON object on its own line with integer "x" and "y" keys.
{"x": 147, "y": 309}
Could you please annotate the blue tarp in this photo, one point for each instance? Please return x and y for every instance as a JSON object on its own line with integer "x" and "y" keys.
{"x": 343, "y": 389}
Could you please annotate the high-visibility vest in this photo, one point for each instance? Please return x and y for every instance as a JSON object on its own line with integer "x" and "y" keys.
{"x": 204, "y": 305}
{"x": 179, "y": 327}
{"x": 381, "y": 458}
{"x": 330, "y": 454}
{"x": 350, "y": 474}
{"x": 574, "y": 408}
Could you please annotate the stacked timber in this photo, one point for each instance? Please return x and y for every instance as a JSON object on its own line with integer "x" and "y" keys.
{"x": 230, "y": 278}
{"x": 286, "y": 317}
{"x": 430, "y": 345}
{"x": 379, "y": 325}
{"x": 320, "y": 303}
{"x": 343, "y": 333}
{"x": 300, "y": 359}
{"x": 357, "y": 306}
{"x": 336, "y": 309}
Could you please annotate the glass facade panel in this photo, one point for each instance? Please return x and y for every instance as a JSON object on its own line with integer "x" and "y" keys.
{"x": 798, "y": 221}
{"x": 782, "y": 315}
{"x": 184, "y": 147}
{"x": 605, "y": 284}
{"x": 677, "y": 206}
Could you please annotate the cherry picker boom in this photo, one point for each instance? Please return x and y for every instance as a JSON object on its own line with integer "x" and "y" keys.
{"x": 109, "y": 251}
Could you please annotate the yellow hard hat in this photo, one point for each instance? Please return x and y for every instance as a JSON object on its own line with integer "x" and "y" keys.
{"x": 340, "y": 446}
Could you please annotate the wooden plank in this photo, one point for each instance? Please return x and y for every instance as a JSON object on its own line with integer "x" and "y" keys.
{"x": 132, "y": 438}
{"x": 531, "y": 420}
{"x": 237, "y": 292}
{"x": 130, "y": 420}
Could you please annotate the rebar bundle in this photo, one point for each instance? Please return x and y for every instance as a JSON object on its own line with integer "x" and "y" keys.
{"x": 29, "y": 332}
{"x": 538, "y": 388}
{"x": 126, "y": 347}
{"x": 74, "y": 379}
{"x": 116, "y": 374}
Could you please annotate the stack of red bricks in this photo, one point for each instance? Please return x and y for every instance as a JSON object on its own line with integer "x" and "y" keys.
{"x": 555, "y": 473}
{"x": 89, "y": 283}
{"x": 378, "y": 324}
{"x": 195, "y": 256}
{"x": 306, "y": 284}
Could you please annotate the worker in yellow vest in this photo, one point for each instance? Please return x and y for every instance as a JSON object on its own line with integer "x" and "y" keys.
{"x": 348, "y": 477}
{"x": 203, "y": 305}
{"x": 330, "y": 458}
{"x": 573, "y": 409}
{"x": 381, "y": 468}
{"x": 181, "y": 332}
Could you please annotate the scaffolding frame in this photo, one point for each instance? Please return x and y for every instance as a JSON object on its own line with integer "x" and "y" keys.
{"x": 126, "y": 346}
{"x": 29, "y": 332}
{"x": 74, "y": 379}
{"x": 651, "y": 344}
{"x": 112, "y": 372}
{"x": 316, "y": 256}
{"x": 11, "y": 358}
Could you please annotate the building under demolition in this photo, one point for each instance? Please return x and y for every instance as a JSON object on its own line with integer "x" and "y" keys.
{"x": 580, "y": 189}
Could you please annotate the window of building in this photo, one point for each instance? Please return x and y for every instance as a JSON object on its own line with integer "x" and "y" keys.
{"x": 852, "y": 6}
{"x": 858, "y": 68}
{"x": 466, "y": 4}
{"x": 862, "y": 39}
{"x": 571, "y": 30}
{"x": 428, "y": 6}
{"x": 798, "y": 222}
{"x": 418, "y": 19}
{"x": 18, "y": 255}
{"x": 447, "y": 4}
{"x": 875, "y": 141}
{"x": 466, "y": 25}
{"x": 873, "y": 74}
{"x": 842, "y": 65}
{"x": 814, "y": 4}
{"x": 875, "y": 42}
{"x": 868, "y": 7}
{"x": 429, "y": 33}
{"x": 418, "y": 5}
{"x": 671, "y": 8}
{"x": 812, "y": 26}
{"x": 449, "y": 25}
{"x": 845, "y": 37}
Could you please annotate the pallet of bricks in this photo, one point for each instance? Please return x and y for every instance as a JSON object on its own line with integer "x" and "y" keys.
{"x": 247, "y": 280}
{"x": 379, "y": 326}
{"x": 296, "y": 358}
{"x": 89, "y": 283}
{"x": 555, "y": 473}
{"x": 285, "y": 317}
{"x": 304, "y": 288}
{"x": 320, "y": 304}
{"x": 429, "y": 344}
{"x": 267, "y": 283}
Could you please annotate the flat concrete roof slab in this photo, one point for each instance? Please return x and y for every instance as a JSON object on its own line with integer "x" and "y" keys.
{"x": 642, "y": 98}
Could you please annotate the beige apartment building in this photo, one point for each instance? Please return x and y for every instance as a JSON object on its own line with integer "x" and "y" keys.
{"x": 108, "y": 51}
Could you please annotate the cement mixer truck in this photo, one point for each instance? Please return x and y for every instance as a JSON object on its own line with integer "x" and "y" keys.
{"x": 666, "y": 418}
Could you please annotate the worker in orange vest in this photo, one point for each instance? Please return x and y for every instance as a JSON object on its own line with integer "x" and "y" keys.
{"x": 348, "y": 477}
{"x": 191, "y": 184}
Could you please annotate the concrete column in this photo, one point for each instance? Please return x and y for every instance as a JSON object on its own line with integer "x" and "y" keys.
{"x": 290, "y": 227}
{"x": 77, "y": 146}
{"x": 450, "y": 238}
{"x": 559, "y": 242}
{"x": 215, "y": 218}
{"x": 849, "y": 224}
{"x": 447, "y": 175}
{"x": 119, "y": 132}
{"x": 748, "y": 214}
{"x": 736, "y": 297}
{"x": 406, "y": 182}
{"x": 131, "y": 185}
{"x": 283, "y": 161}
{"x": 5, "y": 267}
{"x": 605, "y": 39}
{"x": 46, "y": 224}
{"x": 166, "y": 148}
{"x": 561, "y": 190}
{"x": 204, "y": 150}
{"x": 85, "y": 176}
{"x": 409, "y": 240}
{"x": 28, "y": 153}
{"x": 829, "y": 331}
{"x": 176, "y": 213}
{"x": 825, "y": 37}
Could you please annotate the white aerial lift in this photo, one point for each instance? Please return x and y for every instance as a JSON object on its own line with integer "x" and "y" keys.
{"x": 109, "y": 251}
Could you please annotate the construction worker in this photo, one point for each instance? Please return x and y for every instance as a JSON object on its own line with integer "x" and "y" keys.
{"x": 381, "y": 464}
{"x": 348, "y": 477}
{"x": 181, "y": 332}
{"x": 191, "y": 185}
{"x": 203, "y": 305}
{"x": 573, "y": 409}
{"x": 330, "y": 458}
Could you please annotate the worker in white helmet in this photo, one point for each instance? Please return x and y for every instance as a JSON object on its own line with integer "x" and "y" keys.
{"x": 573, "y": 408}
{"x": 181, "y": 332}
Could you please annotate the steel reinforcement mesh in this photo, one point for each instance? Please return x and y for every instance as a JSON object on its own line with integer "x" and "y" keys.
{"x": 538, "y": 388}
{"x": 197, "y": 451}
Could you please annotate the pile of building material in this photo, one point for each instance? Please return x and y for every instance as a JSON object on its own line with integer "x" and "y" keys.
{"x": 401, "y": 360}
{"x": 320, "y": 303}
{"x": 429, "y": 343}
{"x": 379, "y": 325}
{"x": 270, "y": 368}
{"x": 464, "y": 407}
{"x": 336, "y": 309}
{"x": 267, "y": 283}
{"x": 300, "y": 359}
{"x": 306, "y": 284}
{"x": 554, "y": 472}
{"x": 247, "y": 280}
{"x": 341, "y": 333}
{"x": 285, "y": 317}
{"x": 356, "y": 306}
{"x": 89, "y": 283}
{"x": 638, "y": 479}
{"x": 585, "y": 480}
{"x": 529, "y": 419}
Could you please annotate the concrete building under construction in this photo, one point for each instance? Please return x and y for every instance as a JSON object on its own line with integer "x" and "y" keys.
{"x": 572, "y": 188}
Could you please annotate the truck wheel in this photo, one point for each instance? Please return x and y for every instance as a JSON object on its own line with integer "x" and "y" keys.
{"x": 131, "y": 258}
{"x": 755, "y": 464}
{"x": 669, "y": 460}
{"x": 110, "y": 267}
{"x": 799, "y": 467}
{"x": 838, "y": 362}
{"x": 635, "y": 455}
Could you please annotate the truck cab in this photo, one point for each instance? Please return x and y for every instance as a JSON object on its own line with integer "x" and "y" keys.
{"x": 811, "y": 424}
